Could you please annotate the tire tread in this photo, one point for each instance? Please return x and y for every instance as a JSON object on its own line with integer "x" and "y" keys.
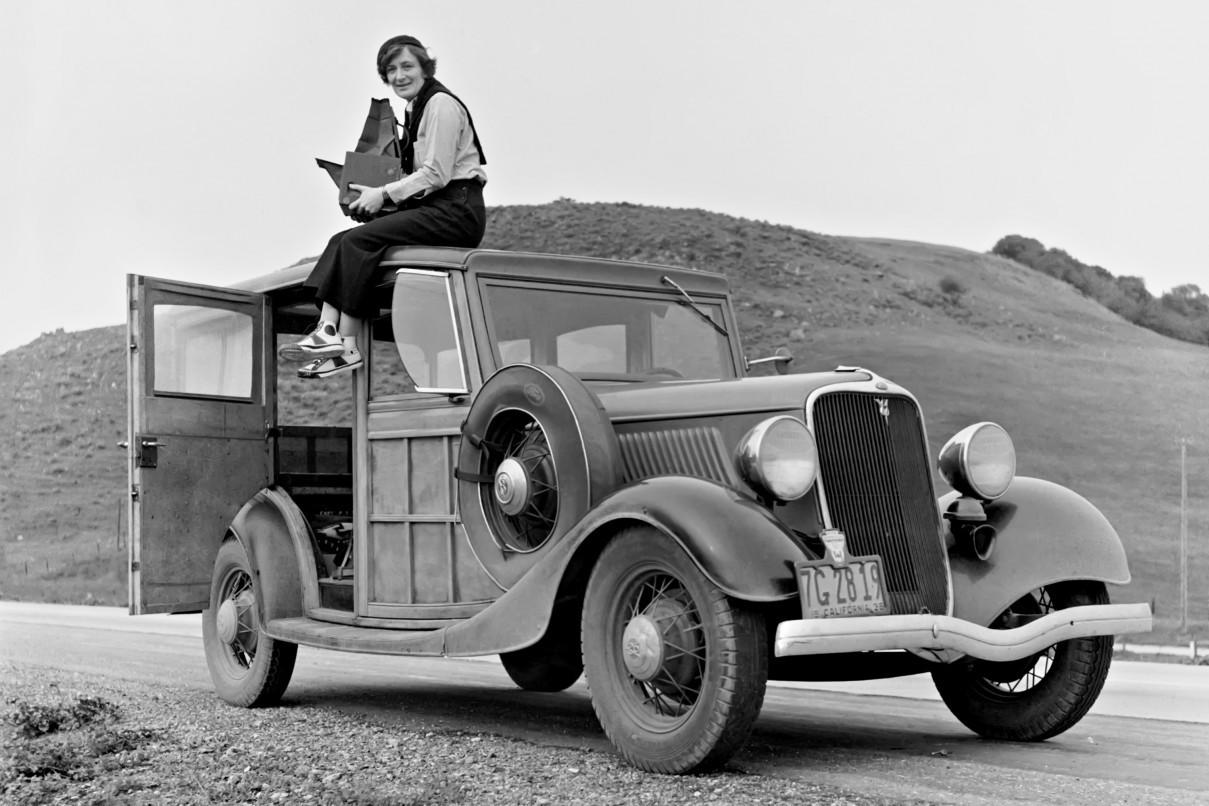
{"x": 742, "y": 646}
{"x": 1055, "y": 704}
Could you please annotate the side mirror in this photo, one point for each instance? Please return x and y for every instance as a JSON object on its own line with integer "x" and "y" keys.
{"x": 780, "y": 359}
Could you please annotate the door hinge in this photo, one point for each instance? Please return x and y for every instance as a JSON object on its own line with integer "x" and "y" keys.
{"x": 134, "y": 492}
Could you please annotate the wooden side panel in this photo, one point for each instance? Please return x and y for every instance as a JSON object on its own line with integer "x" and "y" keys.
{"x": 432, "y": 545}
{"x": 420, "y": 563}
{"x": 389, "y": 469}
{"x": 390, "y": 563}
{"x": 431, "y": 482}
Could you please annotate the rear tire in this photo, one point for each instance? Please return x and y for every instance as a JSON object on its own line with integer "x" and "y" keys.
{"x": 248, "y": 668}
{"x": 537, "y": 668}
{"x": 676, "y": 668}
{"x": 555, "y": 662}
{"x": 1035, "y": 698}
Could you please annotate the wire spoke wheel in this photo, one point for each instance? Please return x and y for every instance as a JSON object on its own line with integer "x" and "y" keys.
{"x": 1013, "y": 677}
{"x": 237, "y": 626}
{"x": 676, "y": 668}
{"x": 1036, "y": 697}
{"x": 662, "y": 619}
{"x": 537, "y": 452}
{"x": 247, "y": 667}
{"x": 521, "y": 501}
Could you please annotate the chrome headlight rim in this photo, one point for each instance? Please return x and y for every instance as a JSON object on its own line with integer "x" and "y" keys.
{"x": 954, "y": 462}
{"x": 751, "y": 459}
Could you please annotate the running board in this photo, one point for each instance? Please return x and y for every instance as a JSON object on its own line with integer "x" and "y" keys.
{"x": 346, "y": 638}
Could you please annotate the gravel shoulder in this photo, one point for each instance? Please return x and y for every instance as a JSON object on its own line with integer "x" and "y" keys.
{"x": 105, "y": 741}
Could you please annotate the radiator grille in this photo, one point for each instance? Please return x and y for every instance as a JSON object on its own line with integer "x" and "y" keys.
{"x": 875, "y": 474}
{"x": 680, "y": 451}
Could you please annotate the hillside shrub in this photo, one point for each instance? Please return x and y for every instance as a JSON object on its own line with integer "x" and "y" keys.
{"x": 1181, "y": 313}
{"x": 952, "y": 287}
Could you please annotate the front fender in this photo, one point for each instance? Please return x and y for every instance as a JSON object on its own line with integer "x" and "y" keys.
{"x": 1046, "y": 533}
{"x": 735, "y": 542}
{"x": 275, "y": 536}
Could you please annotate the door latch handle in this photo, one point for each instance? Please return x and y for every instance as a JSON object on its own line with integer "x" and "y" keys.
{"x": 148, "y": 452}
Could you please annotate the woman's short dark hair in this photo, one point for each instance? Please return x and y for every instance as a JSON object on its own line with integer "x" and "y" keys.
{"x": 391, "y": 47}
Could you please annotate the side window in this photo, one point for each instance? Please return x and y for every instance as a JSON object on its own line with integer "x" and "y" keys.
{"x": 388, "y": 374}
{"x": 202, "y": 351}
{"x": 426, "y": 332}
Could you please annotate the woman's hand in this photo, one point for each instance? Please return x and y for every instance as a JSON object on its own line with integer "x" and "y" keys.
{"x": 369, "y": 202}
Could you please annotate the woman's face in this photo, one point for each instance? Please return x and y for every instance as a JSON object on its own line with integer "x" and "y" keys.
{"x": 404, "y": 75}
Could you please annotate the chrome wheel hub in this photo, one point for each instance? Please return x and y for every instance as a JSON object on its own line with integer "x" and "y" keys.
{"x": 642, "y": 648}
{"x": 511, "y": 487}
{"x": 236, "y": 622}
{"x": 227, "y": 621}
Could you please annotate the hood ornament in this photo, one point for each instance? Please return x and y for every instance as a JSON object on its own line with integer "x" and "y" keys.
{"x": 883, "y": 408}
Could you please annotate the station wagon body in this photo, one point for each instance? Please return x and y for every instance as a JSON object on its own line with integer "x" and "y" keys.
{"x": 568, "y": 462}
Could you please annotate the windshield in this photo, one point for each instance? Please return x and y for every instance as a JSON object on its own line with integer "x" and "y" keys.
{"x": 602, "y": 335}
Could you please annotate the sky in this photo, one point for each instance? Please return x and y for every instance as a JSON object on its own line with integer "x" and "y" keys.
{"x": 177, "y": 139}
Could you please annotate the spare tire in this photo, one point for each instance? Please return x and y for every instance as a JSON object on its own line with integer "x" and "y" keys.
{"x": 537, "y": 452}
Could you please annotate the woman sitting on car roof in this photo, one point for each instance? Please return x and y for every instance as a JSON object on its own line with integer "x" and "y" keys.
{"x": 440, "y": 199}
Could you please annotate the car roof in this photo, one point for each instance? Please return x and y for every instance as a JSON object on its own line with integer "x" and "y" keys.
{"x": 505, "y": 264}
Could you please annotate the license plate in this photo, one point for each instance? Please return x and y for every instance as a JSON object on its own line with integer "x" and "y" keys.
{"x": 854, "y": 589}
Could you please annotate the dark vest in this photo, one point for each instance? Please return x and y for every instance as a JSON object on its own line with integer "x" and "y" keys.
{"x": 411, "y": 122}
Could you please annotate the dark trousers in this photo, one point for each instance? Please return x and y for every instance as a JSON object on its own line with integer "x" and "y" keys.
{"x": 343, "y": 277}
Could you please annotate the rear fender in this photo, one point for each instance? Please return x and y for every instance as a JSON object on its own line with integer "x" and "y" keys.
{"x": 274, "y": 533}
{"x": 1046, "y": 534}
{"x": 734, "y": 541}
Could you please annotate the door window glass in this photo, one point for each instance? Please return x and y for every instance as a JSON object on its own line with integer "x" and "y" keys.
{"x": 202, "y": 351}
{"x": 426, "y": 334}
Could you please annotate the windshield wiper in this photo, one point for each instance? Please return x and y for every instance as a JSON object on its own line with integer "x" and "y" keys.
{"x": 693, "y": 304}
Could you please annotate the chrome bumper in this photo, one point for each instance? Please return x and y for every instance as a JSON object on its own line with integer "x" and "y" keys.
{"x": 946, "y": 638}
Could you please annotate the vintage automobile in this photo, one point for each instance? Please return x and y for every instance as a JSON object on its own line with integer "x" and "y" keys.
{"x": 565, "y": 462}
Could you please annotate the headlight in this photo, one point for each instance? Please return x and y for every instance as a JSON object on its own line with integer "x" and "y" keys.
{"x": 979, "y": 460}
{"x": 778, "y": 458}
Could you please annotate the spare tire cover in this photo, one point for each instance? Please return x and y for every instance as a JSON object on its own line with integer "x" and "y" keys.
{"x": 537, "y": 452}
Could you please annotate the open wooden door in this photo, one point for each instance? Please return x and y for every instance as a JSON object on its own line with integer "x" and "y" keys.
{"x": 200, "y": 411}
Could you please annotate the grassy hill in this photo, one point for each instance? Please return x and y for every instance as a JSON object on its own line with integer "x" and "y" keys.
{"x": 1092, "y": 401}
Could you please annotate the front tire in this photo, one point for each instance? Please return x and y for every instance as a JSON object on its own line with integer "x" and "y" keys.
{"x": 248, "y": 668}
{"x": 1038, "y": 697}
{"x": 676, "y": 668}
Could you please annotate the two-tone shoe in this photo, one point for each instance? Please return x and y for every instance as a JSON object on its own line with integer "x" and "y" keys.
{"x": 322, "y": 342}
{"x": 347, "y": 361}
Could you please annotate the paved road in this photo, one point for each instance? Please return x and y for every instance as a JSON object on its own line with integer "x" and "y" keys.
{"x": 1145, "y": 741}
